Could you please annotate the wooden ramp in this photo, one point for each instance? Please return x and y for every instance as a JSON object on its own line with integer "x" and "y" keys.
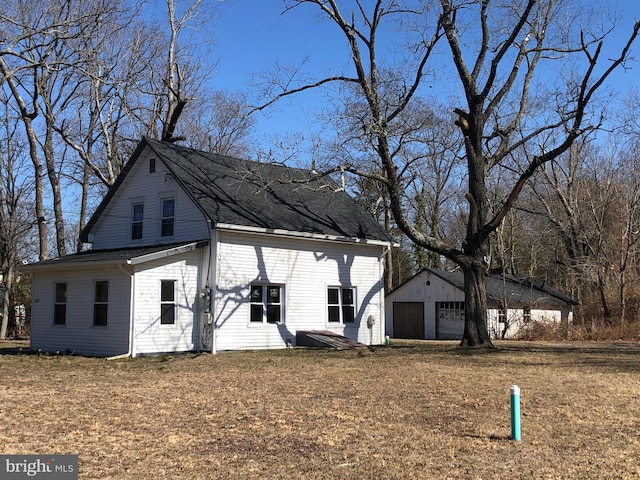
{"x": 325, "y": 339}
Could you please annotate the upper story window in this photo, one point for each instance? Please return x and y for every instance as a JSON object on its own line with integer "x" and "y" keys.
{"x": 341, "y": 304}
{"x": 168, "y": 217}
{"x": 60, "y": 305}
{"x": 266, "y": 303}
{"x": 101, "y": 303}
{"x": 137, "y": 217}
{"x": 152, "y": 165}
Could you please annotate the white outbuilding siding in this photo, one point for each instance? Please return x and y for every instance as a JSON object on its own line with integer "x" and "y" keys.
{"x": 427, "y": 290}
{"x": 304, "y": 270}
{"x": 517, "y": 320}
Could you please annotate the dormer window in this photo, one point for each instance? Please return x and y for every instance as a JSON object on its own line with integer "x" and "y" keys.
{"x": 137, "y": 217}
{"x": 168, "y": 217}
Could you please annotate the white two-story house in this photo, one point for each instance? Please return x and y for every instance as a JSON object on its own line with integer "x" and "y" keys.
{"x": 197, "y": 251}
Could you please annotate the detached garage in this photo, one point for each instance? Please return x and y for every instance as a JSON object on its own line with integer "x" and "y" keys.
{"x": 430, "y": 305}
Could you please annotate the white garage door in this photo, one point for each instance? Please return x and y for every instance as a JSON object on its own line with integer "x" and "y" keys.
{"x": 450, "y": 317}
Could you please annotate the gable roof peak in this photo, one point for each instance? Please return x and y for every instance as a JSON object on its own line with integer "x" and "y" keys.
{"x": 251, "y": 194}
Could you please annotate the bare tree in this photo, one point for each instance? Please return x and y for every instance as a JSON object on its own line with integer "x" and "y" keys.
{"x": 220, "y": 122}
{"x": 40, "y": 63}
{"x": 15, "y": 198}
{"x": 496, "y": 51}
{"x": 176, "y": 73}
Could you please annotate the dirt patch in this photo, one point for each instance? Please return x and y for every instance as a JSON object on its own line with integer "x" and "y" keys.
{"x": 411, "y": 410}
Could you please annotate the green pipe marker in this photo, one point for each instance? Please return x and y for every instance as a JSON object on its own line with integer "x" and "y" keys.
{"x": 515, "y": 413}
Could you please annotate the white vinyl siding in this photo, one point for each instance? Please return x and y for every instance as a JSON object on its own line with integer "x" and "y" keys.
{"x": 150, "y": 334}
{"x": 306, "y": 269}
{"x": 79, "y": 334}
{"x": 114, "y": 231}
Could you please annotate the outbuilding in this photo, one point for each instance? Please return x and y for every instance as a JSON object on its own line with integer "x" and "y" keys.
{"x": 430, "y": 305}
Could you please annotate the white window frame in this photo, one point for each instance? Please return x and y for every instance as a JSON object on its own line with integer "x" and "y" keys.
{"x": 172, "y": 303}
{"x": 263, "y": 302}
{"x": 99, "y": 303}
{"x": 134, "y": 204}
{"x": 163, "y": 218}
{"x": 339, "y": 304}
{"x": 57, "y": 303}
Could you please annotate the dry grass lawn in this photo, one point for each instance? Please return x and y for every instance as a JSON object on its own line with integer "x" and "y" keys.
{"x": 411, "y": 410}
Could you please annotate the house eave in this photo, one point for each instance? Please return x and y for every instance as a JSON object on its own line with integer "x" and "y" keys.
{"x": 116, "y": 257}
{"x": 302, "y": 235}
{"x": 166, "y": 253}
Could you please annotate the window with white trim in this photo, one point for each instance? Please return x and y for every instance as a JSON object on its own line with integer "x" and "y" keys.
{"x": 526, "y": 314}
{"x": 137, "y": 217}
{"x": 101, "y": 303}
{"x": 266, "y": 303}
{"x": 167, "y": 302}
{"x": 341, "y": 304}
{"x": 167, "y": 221}
{"x": 60, "y": 304}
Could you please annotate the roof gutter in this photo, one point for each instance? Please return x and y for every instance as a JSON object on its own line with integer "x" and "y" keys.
{"x": 166, "y": 253}
{"x": 302, "y": 235}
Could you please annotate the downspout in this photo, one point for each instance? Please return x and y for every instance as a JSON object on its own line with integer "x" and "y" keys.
{"x": 381, "y": 272}
{"x": 131, "y": 315}
{"x": 213, "y": 264}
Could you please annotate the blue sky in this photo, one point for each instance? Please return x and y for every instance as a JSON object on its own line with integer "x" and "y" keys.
{"x": 252, "y": 35}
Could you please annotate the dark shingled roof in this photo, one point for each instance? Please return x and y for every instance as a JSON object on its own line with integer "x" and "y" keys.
{"x": 273, "y": 197}
{"x": 110, "y": 255}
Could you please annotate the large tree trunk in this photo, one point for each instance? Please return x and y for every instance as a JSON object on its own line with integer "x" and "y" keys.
{"x": 475, "y": 307}
{"x": 43, "y": 231}
{"x": 54, "y": 181}
{"x": 8, "y": 284}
